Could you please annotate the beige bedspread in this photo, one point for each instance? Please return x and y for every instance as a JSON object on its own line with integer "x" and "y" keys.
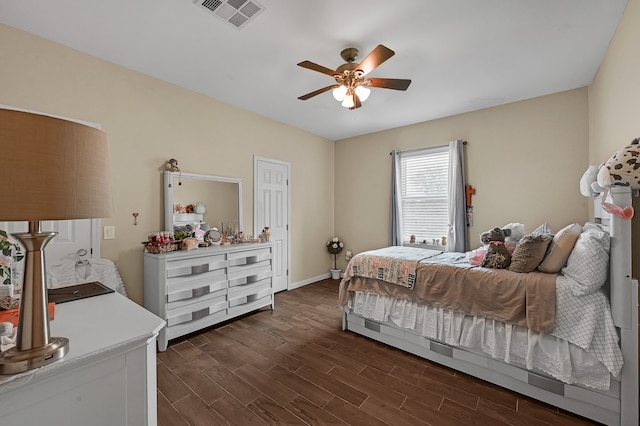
{"x": 516, "y": 298}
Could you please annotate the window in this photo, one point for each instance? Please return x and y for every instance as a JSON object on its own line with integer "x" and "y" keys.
{"x": 424, "y": 193}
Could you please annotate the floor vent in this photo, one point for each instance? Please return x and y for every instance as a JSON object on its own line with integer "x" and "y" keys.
{"x": 237, "y": 13}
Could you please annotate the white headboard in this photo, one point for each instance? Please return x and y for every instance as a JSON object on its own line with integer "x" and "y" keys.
{"x": 620, "y": 285}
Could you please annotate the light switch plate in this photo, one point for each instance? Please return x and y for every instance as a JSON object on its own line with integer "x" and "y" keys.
{"x": 109, "y": 232}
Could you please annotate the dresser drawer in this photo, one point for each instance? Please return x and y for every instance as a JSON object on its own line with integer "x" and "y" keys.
{"x": 195, "y": 266}
{"x": 196, "y": 285}
{"x": 248, "y": 289}
{"x": 195, "y": 311}
{"x": 249, "y": 275}
{"x": 251, "y": 302}
{"x": 249, "y": 257}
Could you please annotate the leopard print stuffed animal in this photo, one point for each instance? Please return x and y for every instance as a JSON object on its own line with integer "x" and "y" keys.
{"x": 623, "y": 168}
{"x": 497, "y": 256}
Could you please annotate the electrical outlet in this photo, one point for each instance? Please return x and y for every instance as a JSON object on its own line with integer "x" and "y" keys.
{"x": 109, "y": 233}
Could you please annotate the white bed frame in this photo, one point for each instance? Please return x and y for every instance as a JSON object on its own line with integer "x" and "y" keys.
{"x": 618, "y": 406}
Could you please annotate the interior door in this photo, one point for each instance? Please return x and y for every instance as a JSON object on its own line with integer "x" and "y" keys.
{"x": 73, "y": 235}
{"x": 271, "y": 208}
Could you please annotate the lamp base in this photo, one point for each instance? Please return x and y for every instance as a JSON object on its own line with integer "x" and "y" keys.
{"x": 13, "y": 361}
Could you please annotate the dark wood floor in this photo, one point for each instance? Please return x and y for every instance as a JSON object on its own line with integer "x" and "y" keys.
{"x": 294, "y": 365}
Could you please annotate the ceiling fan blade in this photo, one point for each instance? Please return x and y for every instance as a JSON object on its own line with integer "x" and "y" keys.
{"x": 390, "y": 83}
{"x": 315, "y": 67}
{"x": 375, "y": 58}
{"x": 317, "y": 92}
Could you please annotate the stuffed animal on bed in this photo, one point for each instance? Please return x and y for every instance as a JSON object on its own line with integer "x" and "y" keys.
{"x": 497, "y": 256}
{"x": 623, "y": 168}
{"x": 588, "y": 182}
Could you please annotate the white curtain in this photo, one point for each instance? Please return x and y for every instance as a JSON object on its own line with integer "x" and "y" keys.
{"x": 395, "y": 215}
{"x": 457, "y": 238}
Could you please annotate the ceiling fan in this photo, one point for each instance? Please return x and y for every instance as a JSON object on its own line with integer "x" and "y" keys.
{"x": 352, "y": 86}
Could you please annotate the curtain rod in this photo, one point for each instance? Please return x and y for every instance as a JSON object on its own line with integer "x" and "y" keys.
{"x": 420, "y": 149}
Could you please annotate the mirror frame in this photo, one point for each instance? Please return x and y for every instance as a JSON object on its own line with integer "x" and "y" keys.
{"x": 170, "y": 177}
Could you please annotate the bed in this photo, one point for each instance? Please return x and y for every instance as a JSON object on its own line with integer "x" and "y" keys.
{"x": 534, "y": 336}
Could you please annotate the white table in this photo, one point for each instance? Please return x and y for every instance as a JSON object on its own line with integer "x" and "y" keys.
{"x": 108, "y": 377}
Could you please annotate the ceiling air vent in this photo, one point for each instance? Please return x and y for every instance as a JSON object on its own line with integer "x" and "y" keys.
{"x": 235, "y": 12}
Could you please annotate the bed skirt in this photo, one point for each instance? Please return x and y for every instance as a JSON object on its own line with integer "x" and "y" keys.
{"x": 597, "y": 404}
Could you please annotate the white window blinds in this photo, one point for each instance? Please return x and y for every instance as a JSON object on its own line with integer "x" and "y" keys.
{"x": 425, "y": 197}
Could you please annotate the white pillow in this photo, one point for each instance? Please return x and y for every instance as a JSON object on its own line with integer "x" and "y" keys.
{"x": 588, "y": 263}
{"x": 560, "y": 249}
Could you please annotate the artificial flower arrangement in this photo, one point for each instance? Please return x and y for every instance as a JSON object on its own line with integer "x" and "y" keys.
{"x": 179, "y": 208}
{"x": 9, "y": 252}
{"x": 335, "y": 246}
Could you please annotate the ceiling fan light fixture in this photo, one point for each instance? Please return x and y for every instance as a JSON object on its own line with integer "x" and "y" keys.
{"x": 348, "y": 101}
{"x": 363, "y": 93}
{"x": 352, "y": 87}
{"x": 339, "y": 93}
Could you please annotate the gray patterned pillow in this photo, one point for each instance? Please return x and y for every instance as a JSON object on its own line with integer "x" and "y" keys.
{"x": 588, "y": 263}
{"x": 542, "y": 229}
{"x": 529, "y": 252}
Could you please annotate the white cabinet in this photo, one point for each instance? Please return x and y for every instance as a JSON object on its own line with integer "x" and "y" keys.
{"x": 195, "y": 289}
{"x": 108, "y": 377}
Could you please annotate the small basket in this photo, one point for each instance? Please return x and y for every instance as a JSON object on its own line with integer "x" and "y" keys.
{"x": 153, "y": 247}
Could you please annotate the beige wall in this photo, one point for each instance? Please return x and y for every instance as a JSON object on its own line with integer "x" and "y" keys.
{"x": 149, "y": 121}
{"x": 525, "y": 160}
{"x": 614, "y": 102}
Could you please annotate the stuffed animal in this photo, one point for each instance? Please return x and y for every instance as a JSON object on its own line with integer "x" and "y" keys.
{"x": 495, "y": 234}
{"x": 513, "y": 233}
{"x": 497, "y": 256}
{"x": 172, "y": 165}
{"x": 588, "y": 182}
{"x": 623, "y": 168}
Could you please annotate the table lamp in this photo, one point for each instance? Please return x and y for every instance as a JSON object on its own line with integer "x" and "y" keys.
{"x": 51, "y": 169}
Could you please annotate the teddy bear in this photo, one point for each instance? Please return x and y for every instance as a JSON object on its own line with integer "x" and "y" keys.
{"x": 172, "y": 165}
{"x": 497, "y": 255}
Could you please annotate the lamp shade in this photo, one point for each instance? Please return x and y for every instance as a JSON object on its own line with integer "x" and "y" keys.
{"x": 52, "y": 169}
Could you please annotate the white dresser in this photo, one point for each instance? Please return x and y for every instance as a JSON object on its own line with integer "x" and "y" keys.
{"x": 198, "y": 288}
{"x": 107, "y": 378}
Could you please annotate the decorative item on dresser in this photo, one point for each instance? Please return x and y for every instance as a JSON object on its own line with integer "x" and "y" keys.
{"x": 52, "y": 169}
{"x": 195, "y": 289}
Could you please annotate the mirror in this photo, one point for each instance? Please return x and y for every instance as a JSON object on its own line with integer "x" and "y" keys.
{"x": 212, "y": 200}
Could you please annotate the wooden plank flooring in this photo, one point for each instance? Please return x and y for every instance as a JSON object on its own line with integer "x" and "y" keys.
{"x": 295, "y": 365}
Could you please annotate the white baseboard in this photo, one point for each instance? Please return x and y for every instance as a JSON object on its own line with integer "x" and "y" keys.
{"x": 309, "y": 281}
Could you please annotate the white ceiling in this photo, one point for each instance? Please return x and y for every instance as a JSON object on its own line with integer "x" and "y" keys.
{"x": 461, "y": 55}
